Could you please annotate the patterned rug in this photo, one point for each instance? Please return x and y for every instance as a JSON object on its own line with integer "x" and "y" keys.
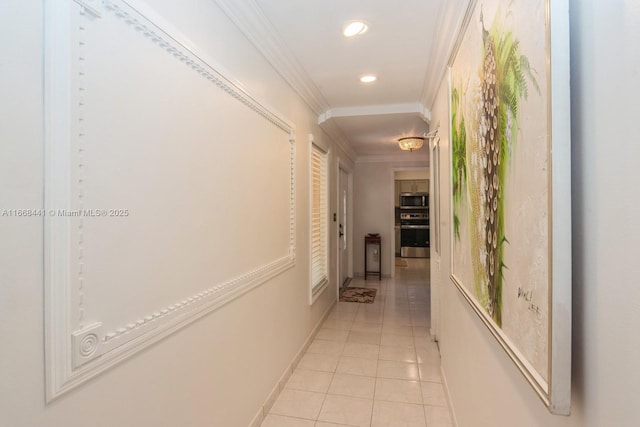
{"x": 366, "y": 295}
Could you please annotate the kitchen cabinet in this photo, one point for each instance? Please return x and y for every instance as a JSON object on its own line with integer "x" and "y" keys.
{"x": 414, "y": 186}
{"x": 410, "y": 186}
{"x": 422, "y": 186}
{"x": 407, "y": 186}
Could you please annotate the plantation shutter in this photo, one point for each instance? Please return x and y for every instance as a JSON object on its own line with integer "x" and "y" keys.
{"x": 318, "y": 218}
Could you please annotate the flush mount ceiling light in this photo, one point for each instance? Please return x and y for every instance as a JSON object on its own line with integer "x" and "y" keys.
{"x": 369, "y": 78}
{"x": 355, "y": 28}
{"x": 411, "y": 143}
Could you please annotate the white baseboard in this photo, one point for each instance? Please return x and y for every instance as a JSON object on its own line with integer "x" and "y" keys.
{"x": 273, "y": 395}
{"x": 452, "y": 413}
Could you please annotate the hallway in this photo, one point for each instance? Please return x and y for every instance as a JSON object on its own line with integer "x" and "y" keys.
{"x": 370, "y": 364}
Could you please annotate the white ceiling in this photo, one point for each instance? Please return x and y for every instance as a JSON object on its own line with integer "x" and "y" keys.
{"x": 303, "y": 40}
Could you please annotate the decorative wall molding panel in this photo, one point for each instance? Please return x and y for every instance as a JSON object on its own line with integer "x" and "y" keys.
{"x": 169, "y": 192}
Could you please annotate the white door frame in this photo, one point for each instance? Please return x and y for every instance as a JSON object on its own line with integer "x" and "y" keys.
{"x": 341, "y": 165}
{"x": 393, "y": 207}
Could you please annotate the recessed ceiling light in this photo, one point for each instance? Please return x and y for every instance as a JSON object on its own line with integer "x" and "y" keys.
{"x": 354, "y": 28}
{"x": 369, "y": 78}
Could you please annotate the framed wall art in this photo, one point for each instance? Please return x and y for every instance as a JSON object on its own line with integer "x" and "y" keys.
{"x": 510, "y": 183}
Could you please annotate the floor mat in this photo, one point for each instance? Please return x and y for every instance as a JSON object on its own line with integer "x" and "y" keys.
{"x": 365, "y": 295}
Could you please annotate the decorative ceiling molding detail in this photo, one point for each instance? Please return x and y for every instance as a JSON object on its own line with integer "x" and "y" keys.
{"x": 250, "y": 19}
{"x": 373, "y": 110}
{"x": 450, "y": 20}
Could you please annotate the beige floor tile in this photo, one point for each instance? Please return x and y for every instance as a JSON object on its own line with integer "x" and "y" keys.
{"x": 319, "y": 346}
{"x": 398, "y": 370}
{"x": 398, "y": 391}
{"x": 352, "y": 385}
{"x": 308, "y": 380}
{"x": 377, "y": 308}
{"x": 323, "y": 424}
{"x": 346, "y": 307}
{"x": 398, "y": 320}
{"x": 430, "y": 372}
{"x": 273, "y": 420}
{"x": 397, "y": 341}
{"x": 403, "y": 330}
{"x": 418, "y": 310}
{"x": 421, "y": 322}
{"x": 433, "y": 394}
{"x": 387, "y": 414}
{"x": 298, "y": 403}
{"x": 370, "y": 364}
{"x": 368, "y": 318}
{"x": 437, "y": 416}
{"x": 397, "y": 311}
{"x": 397, "y": 354}
{"x": 334, "y": 323}
{"x": 332, "y": 334}
{"x": 426, "y": 352}
{"x": 342, "y": 315}
{"x": 319, "y": 362}
{"x": 355, "y": 349}
{"x": 364, "y": 337}
{"x": 421, "y": 331}
{"x": 425, "y": 343}
{"x": 346, "y": 410}
{"x": 366, "y": 327}
{"x": 357, "y": 366}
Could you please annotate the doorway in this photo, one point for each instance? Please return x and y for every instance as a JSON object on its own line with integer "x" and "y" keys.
{"x": 410, "y": 216}
{"x": 344, "y": 227}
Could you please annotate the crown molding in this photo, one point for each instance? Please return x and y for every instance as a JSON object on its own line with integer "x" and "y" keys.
{"x": 251, "y": 21}
{"x": 374, "y": 110}
{"x": 451, "y": 17}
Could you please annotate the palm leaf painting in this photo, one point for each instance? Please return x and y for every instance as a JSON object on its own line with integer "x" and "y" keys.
{"x": 485, "y": 109}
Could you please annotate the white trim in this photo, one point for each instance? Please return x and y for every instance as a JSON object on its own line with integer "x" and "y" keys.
{"x": 316, "y": 291}
{"x": 375, "y": 110}
{"x": 251, "y": 21}
{"x": 74, "y": 356}
{"x": 341, "y": 165}
{"x": 263, "y": 411}
{"x": 451, "y": 19}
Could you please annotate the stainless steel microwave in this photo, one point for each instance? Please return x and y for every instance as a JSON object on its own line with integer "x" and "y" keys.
{"x": 414, "y": 200}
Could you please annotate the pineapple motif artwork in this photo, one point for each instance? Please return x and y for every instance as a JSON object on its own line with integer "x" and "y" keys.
{"x": 500, "y": 173}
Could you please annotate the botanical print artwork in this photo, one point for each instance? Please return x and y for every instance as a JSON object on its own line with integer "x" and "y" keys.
{"x": 500, "y": 171}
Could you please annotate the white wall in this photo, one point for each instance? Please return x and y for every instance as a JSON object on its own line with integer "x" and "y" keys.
{"x": 218, "y": 371}
{"x": 485, "y": 386}
{"x": 373, "y": 193}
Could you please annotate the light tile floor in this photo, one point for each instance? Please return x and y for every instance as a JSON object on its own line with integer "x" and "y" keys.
{"x": 370, "y": 364}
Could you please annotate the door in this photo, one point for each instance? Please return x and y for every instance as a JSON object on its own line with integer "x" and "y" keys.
{"x": 343, "y": 227}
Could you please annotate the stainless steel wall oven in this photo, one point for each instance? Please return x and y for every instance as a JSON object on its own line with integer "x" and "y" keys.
{"x": 414, "y": 234}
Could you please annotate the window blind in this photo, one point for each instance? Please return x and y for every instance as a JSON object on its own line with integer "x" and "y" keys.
{"x": 319, "y": 223}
